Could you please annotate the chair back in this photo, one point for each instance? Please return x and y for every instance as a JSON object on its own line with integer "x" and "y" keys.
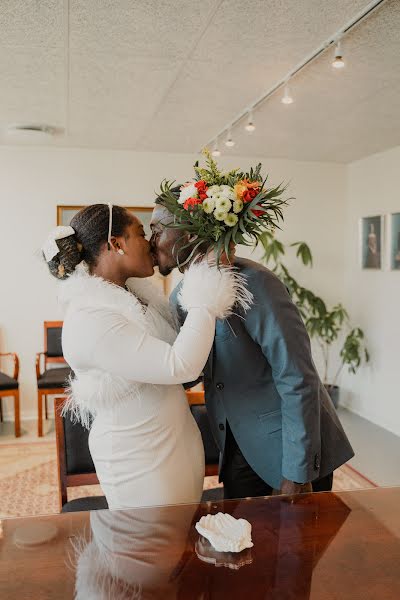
{"x": 75, "y": 464}
{"x": 52, "y": 342}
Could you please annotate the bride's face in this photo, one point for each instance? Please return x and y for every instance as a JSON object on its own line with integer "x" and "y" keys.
{"x": 137, "y": 258}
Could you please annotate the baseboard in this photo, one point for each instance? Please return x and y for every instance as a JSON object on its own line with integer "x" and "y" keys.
{"x": 9, "y": 417}
{"x": 361, "y": 475}
{"x": 369, "y": 418}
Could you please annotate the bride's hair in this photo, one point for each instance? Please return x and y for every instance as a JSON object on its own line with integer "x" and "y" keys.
{"x": 91, "y": 232}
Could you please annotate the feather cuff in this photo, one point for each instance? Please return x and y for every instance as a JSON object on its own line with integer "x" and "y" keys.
{"x": 217, "y": 289}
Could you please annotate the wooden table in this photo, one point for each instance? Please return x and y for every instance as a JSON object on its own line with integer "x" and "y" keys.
{"x": 322, "y": 546}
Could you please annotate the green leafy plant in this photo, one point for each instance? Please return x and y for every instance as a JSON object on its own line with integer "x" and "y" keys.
{"x": 324, "y": 325}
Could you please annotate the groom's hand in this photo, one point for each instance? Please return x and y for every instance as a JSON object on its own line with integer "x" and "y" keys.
{"x": 289, "y": 488}
{"x": 223, "y": 259}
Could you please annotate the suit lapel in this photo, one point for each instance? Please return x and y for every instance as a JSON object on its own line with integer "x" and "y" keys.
{"x": 210, "y": 361}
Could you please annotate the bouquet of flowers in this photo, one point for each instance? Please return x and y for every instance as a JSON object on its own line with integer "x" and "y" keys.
{"x": 217, "y": 209}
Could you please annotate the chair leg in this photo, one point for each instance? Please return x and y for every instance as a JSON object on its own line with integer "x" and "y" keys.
{"x": 40, "y": 414}
{"x": 45, "y": 408}
{"x": 17, "y": 415}
{"x": 1, "y": 410}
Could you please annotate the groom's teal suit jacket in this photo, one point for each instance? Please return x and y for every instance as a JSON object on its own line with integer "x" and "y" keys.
{"x": 260, "y": 377}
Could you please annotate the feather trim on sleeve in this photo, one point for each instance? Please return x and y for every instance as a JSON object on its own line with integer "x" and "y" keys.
{"x": 217, "y": 289}
{"x": 94, "y": 390}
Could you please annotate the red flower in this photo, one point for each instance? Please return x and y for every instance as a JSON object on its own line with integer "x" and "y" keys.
{"x": 202, "y": 189}
{"x": 191, "y": 203}
{"x": 258, "y": 213}
{"x": 250, "y": 194}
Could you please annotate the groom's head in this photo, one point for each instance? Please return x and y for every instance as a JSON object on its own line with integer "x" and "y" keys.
{"x": 167, "y": 242}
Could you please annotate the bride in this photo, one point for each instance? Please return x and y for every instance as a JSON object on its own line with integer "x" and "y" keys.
{"x": 129, "y": 363}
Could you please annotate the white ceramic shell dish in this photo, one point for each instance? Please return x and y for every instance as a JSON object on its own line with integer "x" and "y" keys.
{"x": 225, "y": 533}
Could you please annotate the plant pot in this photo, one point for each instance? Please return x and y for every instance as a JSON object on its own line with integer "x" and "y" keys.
{"x": 334, "y": 393}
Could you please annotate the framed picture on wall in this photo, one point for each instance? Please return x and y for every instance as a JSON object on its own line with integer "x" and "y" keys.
{"x": 65, "y": 214}
{"x": 371, "y": 237}
{"x": 394, "y": 240}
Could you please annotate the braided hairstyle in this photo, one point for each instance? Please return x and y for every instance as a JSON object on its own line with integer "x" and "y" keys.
{"x": 91, "y": 233}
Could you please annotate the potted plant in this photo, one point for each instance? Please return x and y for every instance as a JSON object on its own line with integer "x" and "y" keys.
{"x": 326, "y": 326}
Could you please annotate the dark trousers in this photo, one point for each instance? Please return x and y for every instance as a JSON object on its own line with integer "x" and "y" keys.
{"x": 240, "y": 481}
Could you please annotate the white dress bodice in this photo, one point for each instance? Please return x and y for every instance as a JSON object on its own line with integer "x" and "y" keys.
{"x": 147, "y": 449}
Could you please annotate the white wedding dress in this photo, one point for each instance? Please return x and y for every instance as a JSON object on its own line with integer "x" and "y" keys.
{"x": 129, "y": 365}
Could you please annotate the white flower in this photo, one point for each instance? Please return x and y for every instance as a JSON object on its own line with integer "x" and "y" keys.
{"x": 220, "y": 215}
{"x": 188, "y": 190}
{"x": 223, "y": 204}
{"x": 227, "y": 192}
{"x": 238, "y": 206}
{"x": 231, "y": 220}
{"x": 212, "y": 190}
{"x": 208, "y": 205}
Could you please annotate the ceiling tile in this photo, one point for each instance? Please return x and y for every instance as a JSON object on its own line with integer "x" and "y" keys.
{"x": 32, "y": 85}
{"x": 32, "y": 22}
{"x": 112, "y": 91}
{"x": 150, "y": 29}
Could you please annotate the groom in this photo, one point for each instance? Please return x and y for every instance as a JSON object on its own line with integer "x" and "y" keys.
{"x": 273, "y": 421}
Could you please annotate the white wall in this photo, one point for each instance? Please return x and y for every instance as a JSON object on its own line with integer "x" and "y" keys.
{"x": 373, "y": 297}
{"x": 34, "y": 180}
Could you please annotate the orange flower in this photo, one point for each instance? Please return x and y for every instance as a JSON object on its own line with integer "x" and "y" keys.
{"x": 247, "y": 190}
{"x": 239, "y": 190}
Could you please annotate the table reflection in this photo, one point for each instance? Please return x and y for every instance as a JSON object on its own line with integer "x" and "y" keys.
{"x": 157, "y": 553}
{"x": 134, "y": 554}
{"x": 304, "y": 534}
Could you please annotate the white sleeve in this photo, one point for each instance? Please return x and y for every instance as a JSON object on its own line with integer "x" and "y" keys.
{"x": 121, "y": 348}
{"x": 100, "y": 338}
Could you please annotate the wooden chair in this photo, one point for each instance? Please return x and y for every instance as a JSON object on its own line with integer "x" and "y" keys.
{"x": 198, "y": 408}
{"x": 53, "y": 380}
{"x": 9, "y": 386}
{"x": 75, "y": 465}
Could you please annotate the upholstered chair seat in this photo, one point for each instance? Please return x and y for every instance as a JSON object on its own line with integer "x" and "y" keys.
{"x": 54, "y": 378}
{"x": 7, "y": 382}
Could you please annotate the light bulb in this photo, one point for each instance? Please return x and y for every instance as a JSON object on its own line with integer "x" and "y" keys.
{"x": 287, "y": 98}
{"x": 250, "y": 127}
{"x": 338, "y": 62}
{"x": 229, "y": 142}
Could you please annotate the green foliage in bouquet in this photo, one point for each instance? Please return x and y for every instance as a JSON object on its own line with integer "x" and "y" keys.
{"x": 217, "y": 209}
{"x": 323, "y": 324}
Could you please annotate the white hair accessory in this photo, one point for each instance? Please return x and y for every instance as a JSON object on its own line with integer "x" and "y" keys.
{"x": 110, "y": 206}
{"x": 50, "y": 248}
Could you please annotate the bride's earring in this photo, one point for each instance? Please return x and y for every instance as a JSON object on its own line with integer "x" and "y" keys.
{"x": 120, "y": 251}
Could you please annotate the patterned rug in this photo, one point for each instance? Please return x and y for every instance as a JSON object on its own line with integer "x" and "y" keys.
{"x": 29, "y": 485}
